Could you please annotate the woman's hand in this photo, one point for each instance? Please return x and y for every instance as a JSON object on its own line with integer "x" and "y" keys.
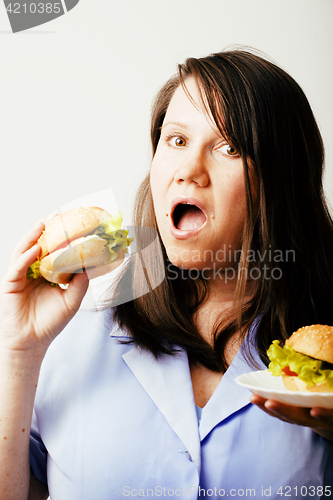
{"x": 320, "y": 420}
{"x": 33, "y": 313}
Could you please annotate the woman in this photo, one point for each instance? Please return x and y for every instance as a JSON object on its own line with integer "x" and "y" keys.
{"x": 235, "y": 193}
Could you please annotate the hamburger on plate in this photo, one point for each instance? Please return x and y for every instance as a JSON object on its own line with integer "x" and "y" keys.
{"x": 305, "y": 362}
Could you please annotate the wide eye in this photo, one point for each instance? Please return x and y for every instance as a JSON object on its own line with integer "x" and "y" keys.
{"x": 177, "y": 141}
{"x": 228, "y": 150}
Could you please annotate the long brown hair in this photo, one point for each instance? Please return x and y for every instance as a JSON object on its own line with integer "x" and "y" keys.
{"x": 266, "y": 117}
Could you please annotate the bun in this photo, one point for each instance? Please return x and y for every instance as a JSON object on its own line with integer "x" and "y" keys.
{"x": 68, "y": 247}
{"x": 81, "y": 254}
{"x": 315, "y": 341}
{"x": 73, "y": 224}
{"x": 296, "y": 384}
{"x": 101, "y": 268}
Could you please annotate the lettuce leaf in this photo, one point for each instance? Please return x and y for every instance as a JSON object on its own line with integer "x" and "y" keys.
{"x": 34, "y": 273}
{"x": 308, "y": 369}
{"x": 33, "y": 270}
{"x": 110, "y": 230}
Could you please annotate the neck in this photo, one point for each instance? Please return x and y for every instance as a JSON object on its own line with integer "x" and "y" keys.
{"x": 219, "y": 302}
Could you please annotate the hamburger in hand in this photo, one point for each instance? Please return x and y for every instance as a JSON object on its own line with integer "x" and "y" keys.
{"x": 306, "y": 360}
{"x": 85, "y": 238}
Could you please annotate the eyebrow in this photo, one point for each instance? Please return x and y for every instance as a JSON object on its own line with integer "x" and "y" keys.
{"x": 178, "y": 124}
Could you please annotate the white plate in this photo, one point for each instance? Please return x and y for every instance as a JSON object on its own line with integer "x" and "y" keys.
{"x": 267, "y": 386}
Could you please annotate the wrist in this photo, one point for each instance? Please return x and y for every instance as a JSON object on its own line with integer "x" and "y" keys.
{"x": 21, "y": 362}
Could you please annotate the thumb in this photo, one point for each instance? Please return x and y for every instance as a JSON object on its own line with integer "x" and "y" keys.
{"x": 76, "y": 290}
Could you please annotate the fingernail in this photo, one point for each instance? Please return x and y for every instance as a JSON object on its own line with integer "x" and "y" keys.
{"x": 38, "y": 224}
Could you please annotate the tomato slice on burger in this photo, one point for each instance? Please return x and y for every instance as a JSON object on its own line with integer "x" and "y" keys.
{"x": 286, "y": 370}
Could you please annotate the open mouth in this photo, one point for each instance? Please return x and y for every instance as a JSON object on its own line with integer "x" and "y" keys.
{"x": 188, "y": 217}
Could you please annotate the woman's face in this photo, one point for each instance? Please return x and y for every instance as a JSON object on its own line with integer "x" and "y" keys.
{"x": 198, "y": 187}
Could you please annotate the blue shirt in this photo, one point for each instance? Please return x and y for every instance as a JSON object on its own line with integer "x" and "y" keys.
{"x": 111, "y": 422}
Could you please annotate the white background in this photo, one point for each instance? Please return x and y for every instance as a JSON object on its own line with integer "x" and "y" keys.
{"x": 75, "y": 93}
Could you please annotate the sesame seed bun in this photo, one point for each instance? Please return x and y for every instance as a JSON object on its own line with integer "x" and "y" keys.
{"x": 315, "y": 341}
{"x": 73, "y": 224}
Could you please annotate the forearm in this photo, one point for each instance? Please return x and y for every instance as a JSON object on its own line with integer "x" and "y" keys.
{"x": 18, "y": 381}
{"x": 32, "y": 314}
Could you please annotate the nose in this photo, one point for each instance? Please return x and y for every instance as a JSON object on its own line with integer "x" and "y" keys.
{"x": 192, "y": 169}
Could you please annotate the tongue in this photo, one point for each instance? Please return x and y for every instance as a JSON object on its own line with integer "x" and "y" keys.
{"x": 191, "y": 218}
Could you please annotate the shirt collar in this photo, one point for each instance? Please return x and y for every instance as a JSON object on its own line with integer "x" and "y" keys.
{"x": 118, "y": 333}
{"x": 229, "y": 397}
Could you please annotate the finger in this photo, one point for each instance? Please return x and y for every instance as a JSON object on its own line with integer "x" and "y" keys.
{"x": 19, "y": 269}
{"x": 298, "y": 415}
{"x": 27, "y": 241}
{"x": 293, "y": 414}
{"x": 260, "y": 402}
{"x": 323, "y": 414}
{"x": 75, "y": 292}
{"x": 31, "y": 236}
{"x": 283, "y": 412}
{"x": 323, "y": 421}
{"x": 257, "y": 400}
